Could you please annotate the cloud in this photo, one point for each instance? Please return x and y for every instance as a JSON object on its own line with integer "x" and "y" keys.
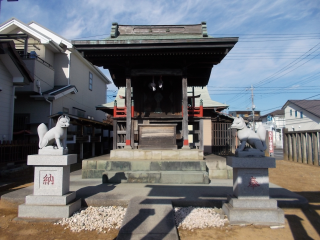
{"x": 254, "y": 59}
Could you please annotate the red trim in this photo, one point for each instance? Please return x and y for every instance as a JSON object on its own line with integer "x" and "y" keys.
{"x": 128, "y": 142}
{"x": 185, "y": 142}
{"x": 132, "y": 111}
{"x": 194, "y": 111}
{"x": 119, "y": 111}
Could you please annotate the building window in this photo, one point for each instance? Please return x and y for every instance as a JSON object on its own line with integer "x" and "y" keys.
{"x": 296, "y": 113}
{"x": 90, "y": 81}
{"x": 79, "y": 112}
{"x": 65, "y": 110}
{"x": 290, "y": 112}
{"x": 301, "y": 114}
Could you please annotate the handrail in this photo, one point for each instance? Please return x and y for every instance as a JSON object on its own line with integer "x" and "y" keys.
{"x": 122, "y": 111}
{"x": 28, "y": 56}
{"x": 195, "y": 111}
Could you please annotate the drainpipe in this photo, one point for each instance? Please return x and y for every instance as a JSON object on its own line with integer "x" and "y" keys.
{"x": 45, "y": 98}
{"x": 12, "y": 114}
{"x": 69, "y": 67}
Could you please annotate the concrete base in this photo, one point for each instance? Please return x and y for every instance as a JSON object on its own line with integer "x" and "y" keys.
{"x": 258, "y": 216}
{"x": 51, "y": 197}
{"x": 218, "y": 168}
{"x": 46, "y": 211}
{"x": 250, "y": 203}
{"x": 50, "y": 200}
{"x": 249, "y": 152}
{"x": 49, "y": 150}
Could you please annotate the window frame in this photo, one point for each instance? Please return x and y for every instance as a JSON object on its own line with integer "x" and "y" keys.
{"x": 290, "y": 112}
{"x": 65, "y": 110}
{"x": 90, "y": 81}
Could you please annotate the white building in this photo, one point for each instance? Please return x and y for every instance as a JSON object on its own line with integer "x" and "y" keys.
{"x": 13, "y": 73}
{"x": 275, "y": 122}
{"x": 302, "y": 115}
{"x": 64, "y": 81}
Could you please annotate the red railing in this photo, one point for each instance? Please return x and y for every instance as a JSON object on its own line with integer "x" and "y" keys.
{"x": 195, "y": 111}
{"x": 122, "y": 111}
{"x": 119, "y": 111}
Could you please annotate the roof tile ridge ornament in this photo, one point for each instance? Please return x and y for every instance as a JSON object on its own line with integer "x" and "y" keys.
{"x": 114, "y": 30}
{"x": 204, "y": 29}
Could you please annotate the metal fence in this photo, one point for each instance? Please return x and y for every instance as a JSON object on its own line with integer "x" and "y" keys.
{"x": 301, "y": 146}
{"x": 17, "y": 151}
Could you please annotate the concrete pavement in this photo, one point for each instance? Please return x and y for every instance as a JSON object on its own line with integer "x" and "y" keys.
{"x": 150, "y": 213}
{"x": 94, "y": 193}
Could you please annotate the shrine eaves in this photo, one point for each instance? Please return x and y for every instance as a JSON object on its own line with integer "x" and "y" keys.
{"x": 169, "y": 51}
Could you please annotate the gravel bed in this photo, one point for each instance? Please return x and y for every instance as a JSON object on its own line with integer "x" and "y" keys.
{"x": 101, "y": 219}
{"x": 195, "y": 217}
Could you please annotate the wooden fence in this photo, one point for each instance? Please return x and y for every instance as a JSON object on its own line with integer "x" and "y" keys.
{"x": 17, "y": 151}
{"x": 301, "y": 146}
{"x": 223, "y": 141}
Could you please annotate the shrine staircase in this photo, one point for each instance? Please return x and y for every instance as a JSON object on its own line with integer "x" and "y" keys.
{"x": 148, "y": 166}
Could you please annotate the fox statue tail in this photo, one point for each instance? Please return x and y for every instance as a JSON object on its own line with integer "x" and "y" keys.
{"x": 42, "y": 129}
{"x": 261, "y": 131}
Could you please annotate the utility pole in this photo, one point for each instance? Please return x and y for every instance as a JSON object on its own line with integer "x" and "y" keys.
{"x": 252, "y": 107}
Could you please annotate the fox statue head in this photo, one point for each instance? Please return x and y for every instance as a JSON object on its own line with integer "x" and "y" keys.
{"x": 63, "y": 121}
{"x": 238, "y": 123}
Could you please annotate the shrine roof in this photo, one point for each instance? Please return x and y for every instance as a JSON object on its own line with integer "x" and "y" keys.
{"x": 133, "y": 34}
{"x": 149, "y": 50}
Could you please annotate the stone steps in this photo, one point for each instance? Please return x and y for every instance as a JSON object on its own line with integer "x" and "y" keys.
{"x": 165, "y": 177}
{"x": 146, "y": 171}
{"x": 154, "y": 154}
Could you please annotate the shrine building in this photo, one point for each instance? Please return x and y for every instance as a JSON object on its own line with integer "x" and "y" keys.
{"x": 162, "y": 72}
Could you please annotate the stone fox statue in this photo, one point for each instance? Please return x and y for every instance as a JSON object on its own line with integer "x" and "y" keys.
{"x": 246, "y": 135}
{"x": 55, "y": 134}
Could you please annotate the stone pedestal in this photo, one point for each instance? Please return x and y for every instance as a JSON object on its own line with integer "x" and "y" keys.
{"x": 51, "y": 197}
{"x": 250, "y": 203}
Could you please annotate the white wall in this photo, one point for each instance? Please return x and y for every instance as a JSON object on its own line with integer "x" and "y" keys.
{"x": 207, "y": 135}
{"x": 49, "y": 56}
{"x": 61, "y": 68}
{"x": 38, "y": 110}
{"x": 85, "y": 99}
{"x": 6, "y": 99}
{"x": 308, "y": 122}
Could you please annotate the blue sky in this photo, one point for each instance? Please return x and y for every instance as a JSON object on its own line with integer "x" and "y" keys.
{"x": 278, "y": 50}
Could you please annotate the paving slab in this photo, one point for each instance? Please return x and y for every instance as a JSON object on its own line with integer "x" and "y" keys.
{"x": 94, "y": 193}
{"x": 148, "y": 219}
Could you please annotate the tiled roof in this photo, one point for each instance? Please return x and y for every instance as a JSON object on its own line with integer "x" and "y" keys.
{"x": 58, "y": 89}
{"x": 274, "y": 113}
{"x": 312, "y": 106}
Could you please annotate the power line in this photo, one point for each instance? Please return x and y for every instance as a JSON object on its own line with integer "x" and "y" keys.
{"x": 291, "y": 64}
{"x": 282, "y": 105}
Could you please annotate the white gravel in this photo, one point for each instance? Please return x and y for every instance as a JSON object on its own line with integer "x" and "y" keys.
{"x": 194, "y": 217}
{"x": 101, "y": 219}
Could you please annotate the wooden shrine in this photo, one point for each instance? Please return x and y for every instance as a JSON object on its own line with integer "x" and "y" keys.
{"x": 153, "y": 65}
